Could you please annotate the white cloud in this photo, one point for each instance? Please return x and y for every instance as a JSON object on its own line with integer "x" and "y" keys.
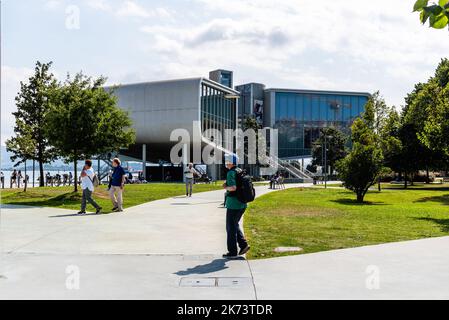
{"x": 132, "y": 9}
{"x": 52, "y": 4}
{"x": 102, "y": 5}
{"x": 11, "y": 78}
{"x": 345, "y": 44}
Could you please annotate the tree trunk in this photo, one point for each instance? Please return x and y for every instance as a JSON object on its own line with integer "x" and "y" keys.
{"x": 25, "y": 182}
{"x": 41, "y": 174}
{"x": 427, "y": 175}
{"x": 360, "y": 197}
{"x": 379, "y": 188}
{"x": 405, "y": 180}
{"x": 41, "y": 167}
{"x": 75, "y": 175}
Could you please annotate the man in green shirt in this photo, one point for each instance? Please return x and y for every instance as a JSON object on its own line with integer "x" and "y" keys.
{"x": 234, "y": 212}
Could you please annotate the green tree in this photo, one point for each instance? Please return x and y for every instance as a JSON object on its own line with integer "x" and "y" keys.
{"x": 437, "y": 13}
{"x": 392, "y": 147}
{"x": 86, "y": 121}
{"x": 336, "y": 147}
{"x": 30, "y": 141}
{"x": 23, "y": 146}
{"x": 378, "y": 120}
{"x": 360, "y": 169}
{"x": 435, "y": 131}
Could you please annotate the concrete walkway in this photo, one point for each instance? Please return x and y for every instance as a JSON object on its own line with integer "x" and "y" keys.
{"x": 171, "y": 249}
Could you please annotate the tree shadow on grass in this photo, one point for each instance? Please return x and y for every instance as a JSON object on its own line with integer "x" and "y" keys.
{"x": 415, "y": 188}
{"x": 444, "y": 223}
{"x": 444, "y": 199}
{"x": 352, "y": 202}
{"x": 69, "y": 198}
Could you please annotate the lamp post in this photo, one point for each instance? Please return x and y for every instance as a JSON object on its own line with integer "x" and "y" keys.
{"x": 325, "y": 159}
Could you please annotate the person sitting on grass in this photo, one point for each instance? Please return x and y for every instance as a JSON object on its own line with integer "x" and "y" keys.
{"x": 87, "y": 185}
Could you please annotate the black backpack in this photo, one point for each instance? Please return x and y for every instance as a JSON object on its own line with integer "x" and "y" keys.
{"x": 245, "y": 192}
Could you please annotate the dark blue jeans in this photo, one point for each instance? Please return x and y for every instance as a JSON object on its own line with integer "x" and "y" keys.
{"x": 234, "y": 232}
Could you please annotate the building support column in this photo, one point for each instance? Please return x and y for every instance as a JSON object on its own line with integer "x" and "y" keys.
{"x": 144, "y": 161}
{"x": 185, "y": 160}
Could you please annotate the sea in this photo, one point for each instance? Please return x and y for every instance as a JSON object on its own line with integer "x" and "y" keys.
{"x": 8, "y": 173}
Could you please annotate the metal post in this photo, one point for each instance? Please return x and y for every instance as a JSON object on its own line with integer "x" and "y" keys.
{"x": 144, "y": 161}
{"x": 34, "y": 168}
{"x": 325, "y": 162}
{"x": 322, "y": 159}
{"x": 25, "y": 175}
{"x": 185, "y": 159}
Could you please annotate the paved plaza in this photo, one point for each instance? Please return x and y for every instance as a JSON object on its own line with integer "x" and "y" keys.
{"x": 171, "y": 249}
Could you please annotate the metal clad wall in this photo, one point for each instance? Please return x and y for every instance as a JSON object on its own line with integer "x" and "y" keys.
{"x": 158, "y": 108}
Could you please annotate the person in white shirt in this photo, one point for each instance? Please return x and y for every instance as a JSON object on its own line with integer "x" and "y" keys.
{"x": 190, "y": 173}
{"x": 87, "y": 184}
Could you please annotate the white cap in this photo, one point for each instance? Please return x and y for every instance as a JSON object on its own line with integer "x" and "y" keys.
{"x": 231, "y": 158}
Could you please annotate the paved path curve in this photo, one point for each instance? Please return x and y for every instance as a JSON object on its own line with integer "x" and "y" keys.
{"x": 170, "y": 249}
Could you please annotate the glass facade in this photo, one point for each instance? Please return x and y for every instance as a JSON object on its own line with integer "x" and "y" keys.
{"x": 226, "y": 79}
{"x": 217, "y": 112}
{"x": 300, "y": 116}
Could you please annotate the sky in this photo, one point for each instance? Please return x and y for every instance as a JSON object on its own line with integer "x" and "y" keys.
{"x": 347, "y": 45}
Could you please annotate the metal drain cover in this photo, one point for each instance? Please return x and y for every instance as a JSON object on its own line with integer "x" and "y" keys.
{"x": 215, "y": 282}
{"x": 198, "y": 282}
{"x": 233, "y": 282}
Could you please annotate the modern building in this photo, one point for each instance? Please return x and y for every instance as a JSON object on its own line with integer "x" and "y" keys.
{"x": 159, "y": 108}
{"x": 199, "y": 104}
{"x": 300, "y": 114}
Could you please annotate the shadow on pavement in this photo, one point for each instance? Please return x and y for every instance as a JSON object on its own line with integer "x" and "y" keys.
{"x": 213, "y": 266}
{"x": 75, "y": 215}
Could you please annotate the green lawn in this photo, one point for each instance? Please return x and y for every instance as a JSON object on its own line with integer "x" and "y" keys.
{"x": 318, "y": 220}
{"x": 64, "y": 197}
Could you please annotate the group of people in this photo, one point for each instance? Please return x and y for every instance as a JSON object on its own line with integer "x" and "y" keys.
{"x": 16, "y": 180}
{"x": 235, "y": 209}
{"x": 58, "y": 179}
{"x": 277, "y": 179}
{"x": 115, "y": 188}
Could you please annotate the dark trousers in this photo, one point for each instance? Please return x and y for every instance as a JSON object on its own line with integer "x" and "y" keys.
{"x": 235, "y": 234}
{"x": 87, "y": 197}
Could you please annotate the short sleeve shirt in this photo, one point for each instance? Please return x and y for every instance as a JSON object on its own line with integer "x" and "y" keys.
{"x": 232, "y": 202}
{"x": 117, "y": 176}
{"x": 86, "y": 182}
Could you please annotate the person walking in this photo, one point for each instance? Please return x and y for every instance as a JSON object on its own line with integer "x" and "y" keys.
{"x": 2, "y": 180}
{"x": 19, "y": 178}
{"x": 13, "y": 179}
{"x": 116, "y": 185}
{"x": 87, "y": 185}
{"x": 190, "y": 174}
{"x": 234, "y": 212}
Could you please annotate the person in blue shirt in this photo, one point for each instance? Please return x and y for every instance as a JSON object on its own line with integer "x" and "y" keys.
{"x": 116, "y": 185}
